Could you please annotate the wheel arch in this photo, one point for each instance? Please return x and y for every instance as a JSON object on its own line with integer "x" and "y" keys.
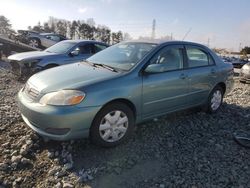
{"x": 222, "y": 85}
{"x": 127, "y": 102}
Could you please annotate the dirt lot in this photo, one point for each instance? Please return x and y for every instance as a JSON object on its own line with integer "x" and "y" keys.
{"x": 185, "y": 149}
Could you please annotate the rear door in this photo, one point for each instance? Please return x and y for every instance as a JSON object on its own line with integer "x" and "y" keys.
{"x": 165, "y": 91}
{"x": 202, "y": 74}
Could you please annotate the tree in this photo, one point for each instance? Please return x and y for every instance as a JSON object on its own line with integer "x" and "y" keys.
{"x": 61, "y": 28}
{"x": 38, "y": 28}
{"x": 47, "y": 28}
{"x": 5, "y": 26}
{"x": 245, "y": 50}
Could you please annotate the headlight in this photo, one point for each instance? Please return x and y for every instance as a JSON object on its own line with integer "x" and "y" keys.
{"x": 32, "y": 63}
{"x": 63, "y": 97}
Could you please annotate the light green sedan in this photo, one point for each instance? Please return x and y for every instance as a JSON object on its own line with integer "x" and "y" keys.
{"x": 106, "y": 95}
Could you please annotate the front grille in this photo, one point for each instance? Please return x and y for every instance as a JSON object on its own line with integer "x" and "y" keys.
{"x": 30, "y": 91}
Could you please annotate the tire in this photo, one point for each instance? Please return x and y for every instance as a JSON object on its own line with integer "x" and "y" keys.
{"x": 215, "y": 100}
{"x": 34, "y": 42}
{"x": 105, "y": 130}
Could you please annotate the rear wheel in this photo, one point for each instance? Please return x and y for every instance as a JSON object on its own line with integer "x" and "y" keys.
{"x": 215, "y": 100}
{"x": 112, "y": 125}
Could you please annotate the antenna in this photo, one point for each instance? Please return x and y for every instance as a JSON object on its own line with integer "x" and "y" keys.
{"x": 187, "y": 33}
{"x": 153, "y": 29}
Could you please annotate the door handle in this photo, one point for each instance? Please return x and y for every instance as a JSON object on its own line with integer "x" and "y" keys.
{"x": 213, "y": 71}
{"x": 183, "y": 76}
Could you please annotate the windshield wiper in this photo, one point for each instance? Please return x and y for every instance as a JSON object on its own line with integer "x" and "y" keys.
{"x": 105, "y": 66}
{"x": 88, "y": 62}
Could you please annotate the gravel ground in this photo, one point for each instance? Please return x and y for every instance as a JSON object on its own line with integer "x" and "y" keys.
{"x": 184, "y": 149}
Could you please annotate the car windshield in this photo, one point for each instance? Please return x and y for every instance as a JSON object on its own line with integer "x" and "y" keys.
{"x": 122, "y": 56}
{"x": 61, "y": 47}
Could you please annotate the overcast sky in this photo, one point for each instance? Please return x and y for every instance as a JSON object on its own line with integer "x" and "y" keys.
{"x": 225, "y": 22}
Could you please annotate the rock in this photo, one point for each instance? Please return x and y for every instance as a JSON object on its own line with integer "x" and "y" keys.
{"x": 26, "y": 161}
{"x": 16, "y": 159}
{"x": 89, "y": 177}
{"x": 29, "y": 142}
{"x": 67, "y": 185}
{"x": 68, "y": 166}
{"x": 51, "y": 154}
{"x": 162, "y": 185}
{"x": 58, "y": 185}
{"x": 3, "y": 167}
{"x": 24, "y": 150}
{"x": 61, "y": 173}
{"x": 118, "y": 170}
{"x": 54, "y": 170}
{"x": 56, "y": 153}
{"x": 14, "y": 153}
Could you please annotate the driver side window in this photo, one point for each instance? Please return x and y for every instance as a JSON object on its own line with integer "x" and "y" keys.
{"x": 170, "y": 57}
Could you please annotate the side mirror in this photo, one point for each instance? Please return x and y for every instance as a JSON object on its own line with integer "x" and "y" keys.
{"x": 74, "y": 53}
{"x": 155, "y": 68}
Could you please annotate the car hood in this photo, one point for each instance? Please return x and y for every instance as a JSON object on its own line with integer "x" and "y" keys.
{"x": 31, "y": 55}
{"x": 70, "y": 76}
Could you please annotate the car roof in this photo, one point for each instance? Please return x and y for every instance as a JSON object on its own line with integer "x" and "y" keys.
{"x": 82, "y": 41}
{"x": 159, "y": 41}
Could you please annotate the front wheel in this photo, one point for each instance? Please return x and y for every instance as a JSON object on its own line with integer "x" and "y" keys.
{"x": 112, "y": 125}
{"x": 215, "y": 100}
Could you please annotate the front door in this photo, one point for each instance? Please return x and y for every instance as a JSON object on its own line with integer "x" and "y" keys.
{"x": 166, "y": 90}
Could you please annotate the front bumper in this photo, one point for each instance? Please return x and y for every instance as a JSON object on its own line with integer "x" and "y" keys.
{"x": 244, "y": 77}
{"x": 21, "y": 69}
{"x": 75, "y": 120}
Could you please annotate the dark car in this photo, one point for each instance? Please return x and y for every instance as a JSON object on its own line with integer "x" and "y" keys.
{"x": 64, "y": 52}
{"x": 238, "y": 63}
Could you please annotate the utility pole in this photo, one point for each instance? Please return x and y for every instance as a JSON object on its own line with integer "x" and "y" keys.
{"x": 153, "y": 29}
{"x": 186, "y": 34}
{"x": 208, "y": 42}
{"x": 171, "y": 36}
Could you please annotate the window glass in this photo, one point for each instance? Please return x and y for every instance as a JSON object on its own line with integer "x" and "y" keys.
{"x": 53, "y": 37}
{"x": 197, "y": 57}
{"x": 99, "y": 47}
{"x": 61, "y": 47}
{"x": 86, "y": 49}
{"x": 171, "y": 57}
{"x": 124, "y": 55}
{"x": 211, "y": 60}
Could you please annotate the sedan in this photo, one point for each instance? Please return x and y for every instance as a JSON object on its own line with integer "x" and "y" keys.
{"x": 65, "y": 52}
{"x": 128, "y": 83}
{"x": 245, "y": 73}
{"x": 38, "y": 40}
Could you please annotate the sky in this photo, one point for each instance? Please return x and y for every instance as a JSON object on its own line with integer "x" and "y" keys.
{"x": 225, "y": 23}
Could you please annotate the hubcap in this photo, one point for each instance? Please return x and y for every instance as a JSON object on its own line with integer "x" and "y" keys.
{"x": 33, "y": 43}
{"x": 216, "y": 100}
{"x": 113, "y": 126}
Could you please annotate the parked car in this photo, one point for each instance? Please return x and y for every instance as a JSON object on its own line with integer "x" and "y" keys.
{"x": 238, "y": 63}
{"x": 245, "y": 73}
{"x": 38, "y": 40}
{"x": 130, "y": 82}
{"x": 64, "y": 52}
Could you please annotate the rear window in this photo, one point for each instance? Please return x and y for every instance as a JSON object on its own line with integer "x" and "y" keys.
{"x": 197, "y": 57}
